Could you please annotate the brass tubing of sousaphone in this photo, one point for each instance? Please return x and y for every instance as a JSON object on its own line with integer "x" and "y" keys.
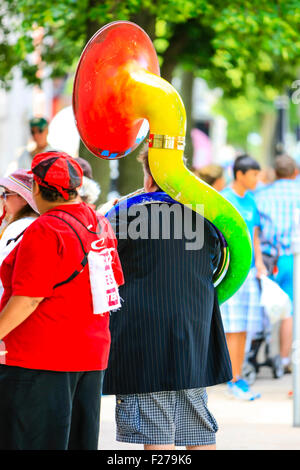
{"x": 162, "y": 106}
{"x": 133, "y": 93}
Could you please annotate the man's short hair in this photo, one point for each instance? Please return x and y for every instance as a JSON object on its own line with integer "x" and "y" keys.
{"x": 143, "y": 158}
{"x": 52, "y": 195}
{"x": 285, "y": 166}
{"x": 244, "y": 163}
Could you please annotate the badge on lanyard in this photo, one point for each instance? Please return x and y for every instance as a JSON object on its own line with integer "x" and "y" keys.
{"x": 104, "y": 288}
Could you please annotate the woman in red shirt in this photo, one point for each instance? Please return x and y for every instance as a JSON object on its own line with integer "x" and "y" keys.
{"x": 57, "y": 343}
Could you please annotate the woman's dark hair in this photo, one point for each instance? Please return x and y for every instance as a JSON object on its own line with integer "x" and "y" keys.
{"x": 52, "y": 195}
{"x": 26, "y": 211}
{"x": 244, "y": 163}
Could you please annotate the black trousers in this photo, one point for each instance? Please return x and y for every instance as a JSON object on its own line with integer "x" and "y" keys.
{"x": 45, "y": 410}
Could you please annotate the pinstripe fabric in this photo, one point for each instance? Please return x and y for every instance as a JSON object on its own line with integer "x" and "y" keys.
{"x": 277, "y": 205}
{"x": 168, "y": 335}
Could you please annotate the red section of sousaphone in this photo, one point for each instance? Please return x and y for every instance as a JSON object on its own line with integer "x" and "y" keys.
{"x": 103, "y": 107}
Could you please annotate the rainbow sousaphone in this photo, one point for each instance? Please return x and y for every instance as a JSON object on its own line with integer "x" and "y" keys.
{"x": 117, "y": 87}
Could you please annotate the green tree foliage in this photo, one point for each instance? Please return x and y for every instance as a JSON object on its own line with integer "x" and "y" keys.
{"x": 247, "y": 109}
{"x": 224, "y": 42}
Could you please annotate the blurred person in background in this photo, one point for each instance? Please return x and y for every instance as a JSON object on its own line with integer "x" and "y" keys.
{"x": 86, "y": 167}
{"x": 39, "y": 132}
{"x": 242, "y": 314}
{"x": 90, "y": 190}
{"x": 212, "y": 175}
{"x": 267, "y": 176}
{"x": 19, "y": 208}
{"x": 278, "y": 204}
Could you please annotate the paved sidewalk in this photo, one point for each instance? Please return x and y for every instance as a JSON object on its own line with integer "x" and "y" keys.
{"x": 266, "y": 423}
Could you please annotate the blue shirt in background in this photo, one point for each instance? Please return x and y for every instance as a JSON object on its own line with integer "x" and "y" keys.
{"x": 278, "y": 205}
{"x": 247, "y": 208}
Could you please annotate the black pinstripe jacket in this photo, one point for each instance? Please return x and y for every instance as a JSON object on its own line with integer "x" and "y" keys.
{"x": 168, "y": 335}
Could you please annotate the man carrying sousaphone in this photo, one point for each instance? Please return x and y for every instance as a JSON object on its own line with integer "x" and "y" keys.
{"x": 168, "y": 342}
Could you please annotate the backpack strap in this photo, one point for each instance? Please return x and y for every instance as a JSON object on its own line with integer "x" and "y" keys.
{"x": 79, "y": 221}
{"x": 74, "y": 274}
{"x": 85, "y": 258}
{"x": 15, "y": 239}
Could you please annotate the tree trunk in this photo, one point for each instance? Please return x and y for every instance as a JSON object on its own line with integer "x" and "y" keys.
{"x": 173, "y": 52}
{"x": 92, "y": 26}
{"x": 131, "y": 173}
{"x": 147, "y": 21}
{"x": 268, "y": 133}
{"x": 186, "y": 92}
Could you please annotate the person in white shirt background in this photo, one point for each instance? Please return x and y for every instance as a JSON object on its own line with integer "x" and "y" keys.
{"x": 39, "y": 133}
{"x": 19, "y": 208}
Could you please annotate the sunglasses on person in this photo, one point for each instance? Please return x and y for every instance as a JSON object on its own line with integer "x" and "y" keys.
{"x": 5, "y": 195}
{"x": 36, "y": 131}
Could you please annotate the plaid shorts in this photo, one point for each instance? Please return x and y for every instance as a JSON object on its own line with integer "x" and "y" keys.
{"x": 242, "y": 312}
{"x": 171, "y": 417}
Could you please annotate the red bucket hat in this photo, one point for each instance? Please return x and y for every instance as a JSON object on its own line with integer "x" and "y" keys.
{"x": 57, "y": 171}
